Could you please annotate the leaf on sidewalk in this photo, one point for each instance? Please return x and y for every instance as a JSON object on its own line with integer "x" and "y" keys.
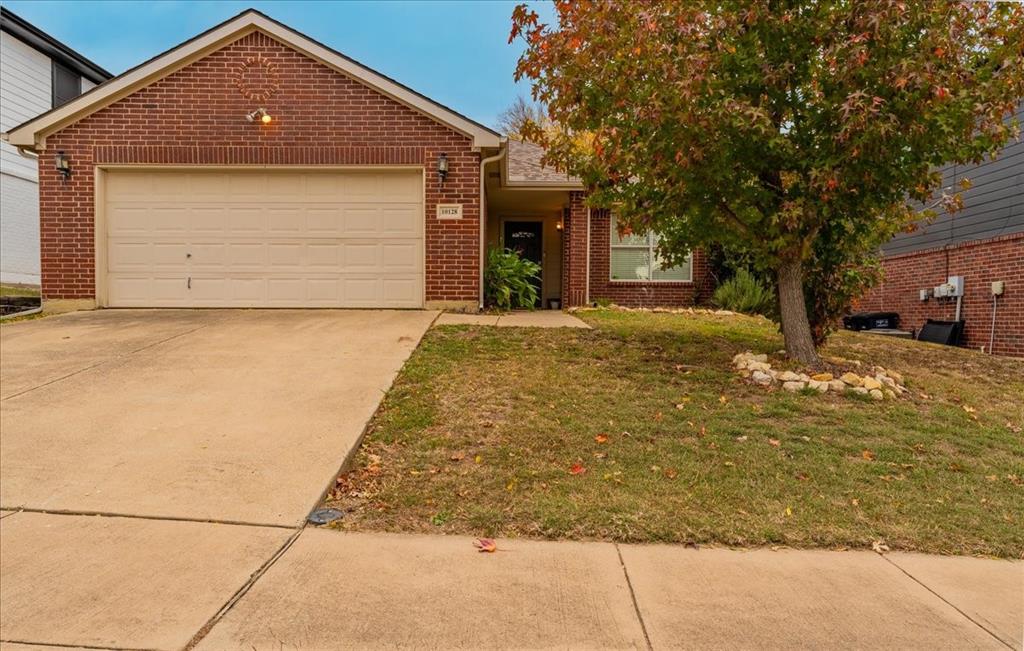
{"x": 485, "y": 545}
{"x": 880, "y": 546}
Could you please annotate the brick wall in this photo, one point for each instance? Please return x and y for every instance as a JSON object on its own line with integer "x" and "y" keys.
{"x": 979, "y": 263}
{"x": 639, "y": 293}
{"x": 196, "y": 116}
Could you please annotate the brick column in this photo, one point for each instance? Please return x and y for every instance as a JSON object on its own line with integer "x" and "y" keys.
{"x": 574, "y": 252}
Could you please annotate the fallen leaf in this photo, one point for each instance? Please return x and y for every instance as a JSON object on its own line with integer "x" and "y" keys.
{"x": 868, "y": 455}
{"x": 730, "y": 463}
{"x": 789, "y": 512}
{"x": 855, "y": 501}
{"x": 658, "y": 416}
{"x": 802, "y": 476}
{"x": 722, "y": 399}
{"x": 741, "y": 438}
{"x": 671, "y": 473}
{"x": 969, "y": 410}
{"x": 879, "y": 546}
{"x": 774, "y": 442}
{"x": 601, "y": 438}
{"x": 577, "y": 469}
{"x": 478, "y": 459}
{"x": 485, "y": 545}
{"x": 703, "y": 430}
{"x": 458, "y": 456}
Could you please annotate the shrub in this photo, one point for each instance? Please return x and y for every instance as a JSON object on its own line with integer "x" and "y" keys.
{"x": 745, "y": 293}
{"x": 508, "y": 280}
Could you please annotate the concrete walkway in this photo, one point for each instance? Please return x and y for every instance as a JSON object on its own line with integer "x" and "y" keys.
{"x": 538, "y": 319}
{"x": 154, "y": 497}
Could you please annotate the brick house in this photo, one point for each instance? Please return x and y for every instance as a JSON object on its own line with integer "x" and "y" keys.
{"x": 254, "y": 167}
{"x": 983, "y": 243}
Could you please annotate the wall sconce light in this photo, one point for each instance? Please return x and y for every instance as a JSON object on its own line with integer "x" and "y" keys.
{"x": 259, "y": 114}
{"x": 62, "y": 162}
{"x": 558, "y": 226}
{"x": 442, "y": 166}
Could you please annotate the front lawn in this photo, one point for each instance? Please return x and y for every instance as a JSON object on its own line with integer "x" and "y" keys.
{"x": 639, "y": 431}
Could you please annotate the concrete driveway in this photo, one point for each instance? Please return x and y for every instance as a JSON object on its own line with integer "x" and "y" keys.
{"x": 206, "y": 436}
{"x": 230, "y": 416}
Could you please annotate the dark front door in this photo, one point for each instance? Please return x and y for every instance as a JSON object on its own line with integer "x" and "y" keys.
{"x": 525, "y": 238}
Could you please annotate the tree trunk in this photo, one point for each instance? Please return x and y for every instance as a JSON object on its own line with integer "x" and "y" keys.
{"x": 796, "y": 329}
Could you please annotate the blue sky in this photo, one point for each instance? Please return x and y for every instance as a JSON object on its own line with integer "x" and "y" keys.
{"x": 454, "y": 52}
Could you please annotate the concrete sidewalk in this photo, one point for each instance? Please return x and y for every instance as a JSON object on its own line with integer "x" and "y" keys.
{"x": 351, "y": 590}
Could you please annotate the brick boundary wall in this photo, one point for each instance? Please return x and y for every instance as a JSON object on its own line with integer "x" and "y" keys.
{"x": 195, "y": 116}
{"x": 980, "y": 263}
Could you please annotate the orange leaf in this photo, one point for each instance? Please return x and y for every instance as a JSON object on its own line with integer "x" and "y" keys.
{"x": 671, "y": 473}
{"x": 868, "y": 455}
{"x": 601, "y": 438}
{"x": 485, "y": 545}
{"x": 577, "y": 469}
{"x": 774, "y": 442}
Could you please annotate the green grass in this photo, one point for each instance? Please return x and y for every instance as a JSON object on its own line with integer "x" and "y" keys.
{"x": 482, "y": 427}
{"x": 18, "y": 290}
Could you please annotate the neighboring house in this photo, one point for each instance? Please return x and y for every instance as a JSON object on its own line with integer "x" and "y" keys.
{"x": 252, "y": 166}
{"x": 37, "y": 73}
{"x": 983, "y": 243}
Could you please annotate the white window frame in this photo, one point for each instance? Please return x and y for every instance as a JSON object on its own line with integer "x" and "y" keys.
{"x": 651, "y": 247}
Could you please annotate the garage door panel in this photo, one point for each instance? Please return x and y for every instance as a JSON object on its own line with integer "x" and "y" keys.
{"x": 264, "y": 238}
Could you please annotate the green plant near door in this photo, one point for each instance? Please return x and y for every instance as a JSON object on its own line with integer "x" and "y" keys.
{"x": 508, "y": 280}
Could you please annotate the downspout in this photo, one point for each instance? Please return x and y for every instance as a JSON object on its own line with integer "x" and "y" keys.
{"x": 28, "y": 154}
{"x": 483, "y": 217}
{"x": 586, "y": 298}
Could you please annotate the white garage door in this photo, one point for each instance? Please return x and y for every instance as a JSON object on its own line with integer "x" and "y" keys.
{"x": 285, "y": 238}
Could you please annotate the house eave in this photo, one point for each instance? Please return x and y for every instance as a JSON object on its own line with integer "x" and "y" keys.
{"x": 32, "y": 134}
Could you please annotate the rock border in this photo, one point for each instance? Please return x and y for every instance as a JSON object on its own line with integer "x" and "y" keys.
{"x": 880, "y": 385}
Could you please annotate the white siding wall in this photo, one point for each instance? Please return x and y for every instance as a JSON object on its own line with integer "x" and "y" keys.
{"x": 25, "y": 91}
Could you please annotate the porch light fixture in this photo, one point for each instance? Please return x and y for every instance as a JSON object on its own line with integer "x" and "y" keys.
{"x": 558, "y": 226}
{"x": 442, "y": 167}
{"x": 62, "y": 163}
{"x": 259, "y": 114}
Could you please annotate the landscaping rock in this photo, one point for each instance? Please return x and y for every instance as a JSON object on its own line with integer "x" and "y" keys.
{"x": 852, "y": 379}
{"x": 886, "y": 380}
{"x": 837, "y": 386}
{"x": 793, "y": 386}
{"x": 805, "y": 378}
{"x": 820, "y": 387}
{"x": 789, "y": 376}
{"x": 871, "y": 384}
{"x": 890, "y": 394}
{"x": 876, "y": 394}
{"x": 860, "y": 390}
{"x": 763, "y": 357}
{"x": 761, "y": 378}
{"x": 758, "y": 366}
{"x": 895, "y": 376}
{"x": 822, "y": 377}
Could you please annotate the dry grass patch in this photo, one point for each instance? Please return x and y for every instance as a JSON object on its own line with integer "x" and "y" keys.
{"x": 640, "y": 430}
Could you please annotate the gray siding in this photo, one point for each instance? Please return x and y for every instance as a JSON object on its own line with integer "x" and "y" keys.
{"x": 993, "y": 206}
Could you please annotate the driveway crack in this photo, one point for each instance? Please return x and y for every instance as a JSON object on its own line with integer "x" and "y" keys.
{"x": 101, "y": 363}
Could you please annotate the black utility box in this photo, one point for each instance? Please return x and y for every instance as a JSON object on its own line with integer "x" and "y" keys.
{"x": 942, "y": 332}
{"x": 871, "y": 320}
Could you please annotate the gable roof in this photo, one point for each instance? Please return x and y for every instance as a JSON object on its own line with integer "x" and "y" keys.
{"x": 524, "y": 168}
{"x": 32, "y": 134}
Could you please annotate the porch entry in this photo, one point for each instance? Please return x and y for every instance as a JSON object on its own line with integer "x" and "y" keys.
{"x": 527, "y": 239}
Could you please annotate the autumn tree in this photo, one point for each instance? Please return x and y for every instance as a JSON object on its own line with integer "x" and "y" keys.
{"x": 799, "y": 132}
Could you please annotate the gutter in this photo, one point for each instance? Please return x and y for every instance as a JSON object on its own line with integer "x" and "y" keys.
{"x": 483, "y": 216}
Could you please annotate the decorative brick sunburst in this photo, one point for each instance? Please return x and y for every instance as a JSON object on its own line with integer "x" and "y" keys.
{"x": 257, "y": 78}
